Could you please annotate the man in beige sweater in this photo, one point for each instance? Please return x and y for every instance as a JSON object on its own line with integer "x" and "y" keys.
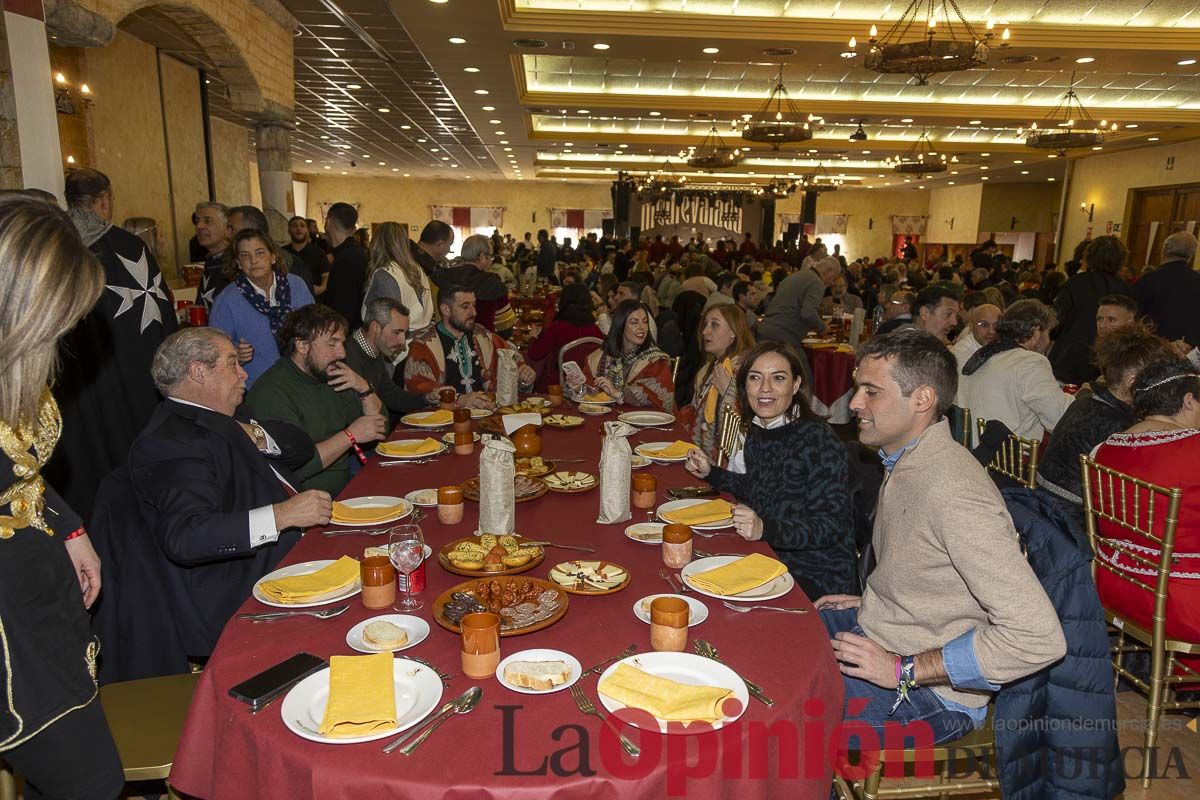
{"x": 952, "y": 610}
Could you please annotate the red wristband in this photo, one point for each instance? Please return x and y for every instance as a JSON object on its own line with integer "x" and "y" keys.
{"x": 354, "y": 443}
{"x": 75, "y": 534}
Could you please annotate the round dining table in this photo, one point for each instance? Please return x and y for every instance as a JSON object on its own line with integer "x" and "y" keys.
{"x": 522, "y": 746}
{"x": 832, "y": 368}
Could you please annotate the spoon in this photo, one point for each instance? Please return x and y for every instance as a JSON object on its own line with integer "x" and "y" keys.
{"x": 465, "y": 705}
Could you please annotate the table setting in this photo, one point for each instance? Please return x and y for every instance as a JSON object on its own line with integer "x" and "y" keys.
{"x": 473, "y": 639}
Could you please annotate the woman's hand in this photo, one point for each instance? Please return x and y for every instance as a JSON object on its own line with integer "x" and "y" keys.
{"x": 721, "y": 377}
{"x": 606, "y": 386}
{"x": 748, "y": 525}
{"x": 697, "y": 463}
{"x": 87, "y": 567}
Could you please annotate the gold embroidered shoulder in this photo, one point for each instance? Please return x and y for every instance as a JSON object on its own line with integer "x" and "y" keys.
{"x": 28, "y": 447}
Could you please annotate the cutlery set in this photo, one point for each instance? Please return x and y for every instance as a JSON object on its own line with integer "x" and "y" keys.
{"x": 465, "y": 703}
{"x": 705, "y": 649}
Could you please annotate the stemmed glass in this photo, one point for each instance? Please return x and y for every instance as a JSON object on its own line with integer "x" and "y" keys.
{"x": 406, "y": 548}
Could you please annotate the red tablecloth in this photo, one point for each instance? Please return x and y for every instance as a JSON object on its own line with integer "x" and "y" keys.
{"x": 227, "y": 753}
{"x": 832, "y": 373}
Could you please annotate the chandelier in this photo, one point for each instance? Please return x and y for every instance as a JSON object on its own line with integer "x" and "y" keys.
{"x": 662, "y": 184}
{"x": 1068, "y": 125}
{"x": 953, "y": 48}
{"x": 920, "y": 159}
{"x": 778, "y": 121}
{"x": 712, "y": 153}
{"x": 778, "y": 187}
{"x": 821, "y": 181}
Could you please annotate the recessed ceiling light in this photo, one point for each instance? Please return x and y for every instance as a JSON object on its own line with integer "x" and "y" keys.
{"x": 343, "y": 172}
{"x": 975, "y": 122}
{"x": 439, "y": 2}
{"x": 1152, "y": 139}
{"x": 324, "y": 137}
{"x": 907, "y": 119}
{"x": 599, "y": 46}
{"x": 984, "y": 178}
{"x": 985, "y": 155}
{"x": 656, "y": 113}
{"x": 308, "y": 161}
{"x": 1187, "y": 62}
{"x": 1097, "y": 147}
{"x": 457, "y": 40}
{"x": 1024, "y": 172}
{"x": 395, "y": 169}
{"x": 481, "y": 91}
{"x": 1018, "y": 161}
{"x": 1131, "y": 125}
{"x": 504, "y": 141}
{"x": 454, "y": 166}
{"x": 583, "y": 111}
{"x": 499, "y": 133}
{"x": 1084, "y": 60}
{"x": 383, "y": 163}
{"x": 433, "y": 150}
{"x": 445, "y": 158}
{"x": 952, "y": 172}
{"x": 406, "y": 127}
{"x": 567, "y": 152}
{"x": 1051, "y": 180}
{"x": 623, "y": 146}
{"x": 496, "y": 121}
{"x": 422, "y": 141}
{"x": 508, "y": 149}
{"x": 1052, "y": 155}
{"x": 407, "y": 175}
{"x": 470, "y": 69}
{"x": 712, "y": 51}
{"x": 489, "y": 108}
{"x": 327, "y": 166}
{"x": 353, "y": 86}
{"x": 985, "y": 167}
{"x": 384, "y": 110}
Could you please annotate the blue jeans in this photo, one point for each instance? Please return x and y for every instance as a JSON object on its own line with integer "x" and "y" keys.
{"x": 922, "y": 705}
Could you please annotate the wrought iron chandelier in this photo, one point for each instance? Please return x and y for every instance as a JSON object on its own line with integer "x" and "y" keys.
{"x": 1068, "y": 125}
{"x": 778, "y": 121}
{"x": 947, "y": 44}
{"x": 921, "y": 158}
{"x": 661, "y": 183}
{"x": 821, "y": 181}
{"x": 712, "y": 153}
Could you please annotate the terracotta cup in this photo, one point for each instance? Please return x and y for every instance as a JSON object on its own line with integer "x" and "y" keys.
{"x": 676, "y": 545}
{"x": 450, "y": 504}
{"x": 378, "y": 582}
{"x": 462, "y": 420}
{"x": 645, "y": 488}
{"x": 554, "y": 393}
{"x": 446, "y": 398}
{"x": 669, "y": 624}
{"x": 480, "y": 644}
{"x": 464, "y": 443}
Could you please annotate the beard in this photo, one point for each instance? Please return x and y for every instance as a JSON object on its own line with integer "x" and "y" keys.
{"x": 319, "y": 373}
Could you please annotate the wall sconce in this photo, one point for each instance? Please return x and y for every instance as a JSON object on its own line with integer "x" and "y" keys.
{"x": 63, "y": 102}
{"x": 1084, "y": 208}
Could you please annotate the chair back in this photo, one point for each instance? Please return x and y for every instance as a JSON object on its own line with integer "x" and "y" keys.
{"x": 960, "y": 425}
{"x": 1134, "y": 505}
{"x": 674, "y": 369}
{"x": 576, "y": 350}
{"x": 730, "y": 434}
{"x": 1016, "y": 458}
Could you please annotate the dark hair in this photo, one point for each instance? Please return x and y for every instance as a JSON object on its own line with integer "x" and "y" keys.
{"x": 801, "y": 407}
{"x": 307, "y": 323}
{"x": 632, "y": 286}
{"x": 1129, "y": 349}
{"x": 724, "y": 279}
{"x": 232, "y": 266}
{"x": 614, "y": 342}
{"x": 1123, "y": 300}
{"x": 740, "y": 288}
{"x": 84, "y": 187}
{"x": 1161, "y": 386}
{"x": 1105, "y": 254}
{"x": 293, "y": 219}
{"x": 931, "y": 296}
{"x": 252, "y": 217}
{"x": 309, "y": 220}
{"x": 575, "y": 305}
{"x": 920, "y": 359}
{"x": 344, "y": 215}
{"x": 973, "y": 299}
{"x": 1023, "y": 317}
{"x": 448, "y": 293}
{"x": 436, "y": 231}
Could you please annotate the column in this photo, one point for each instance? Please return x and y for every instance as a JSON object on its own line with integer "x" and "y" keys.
{"x": 275, "y": 174}
{"x": 27, "y": 102}
{"x": 10, "y": 143}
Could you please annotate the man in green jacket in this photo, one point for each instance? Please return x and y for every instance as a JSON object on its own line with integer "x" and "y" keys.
{"x": 311, "y": 386}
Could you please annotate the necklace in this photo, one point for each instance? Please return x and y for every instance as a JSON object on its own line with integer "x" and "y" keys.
{"x": 25, "y": 495}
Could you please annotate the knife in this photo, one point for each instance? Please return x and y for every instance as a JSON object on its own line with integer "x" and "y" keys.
{"x": 443, "y": 712}
{"x": 708, "y": 651}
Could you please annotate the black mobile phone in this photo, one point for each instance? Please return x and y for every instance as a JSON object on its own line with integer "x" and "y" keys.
{"x": 273, "y": 681}
{"x": 682, "y": 492}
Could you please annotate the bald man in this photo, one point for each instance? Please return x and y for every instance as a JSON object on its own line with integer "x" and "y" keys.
{"x": 981, "y": 324}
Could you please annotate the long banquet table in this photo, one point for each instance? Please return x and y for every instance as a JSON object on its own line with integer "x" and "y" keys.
{"x": 781, "y": 751}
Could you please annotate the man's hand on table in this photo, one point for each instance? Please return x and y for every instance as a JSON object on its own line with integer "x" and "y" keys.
{"x": 305, "y": 510}
{"x": 435, "y": 397}
{"x": 369, "y": 427}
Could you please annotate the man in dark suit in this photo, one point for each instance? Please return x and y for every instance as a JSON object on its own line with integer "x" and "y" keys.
{"x": 216, "y": 491}
{"x": 1168, "y": 294}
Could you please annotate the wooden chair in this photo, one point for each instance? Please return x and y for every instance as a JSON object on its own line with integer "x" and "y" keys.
{"x": 585, "y": 344}
{"x": 973, "y": 749}
{"x": 731, "y": 432}
{"x": 1017, "y": 458}
{"x": 1136, "y": 505}
{"x": 146, "y": 717}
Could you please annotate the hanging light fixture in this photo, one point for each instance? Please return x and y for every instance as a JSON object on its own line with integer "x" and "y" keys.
{"x": 821, "y": 181}
{"x": 713, "y": 154}
{"x": 920, "y": 159}
{"x": 778, "y": 121}
{"x": 1068, "y": 125}
{"x": 947, "y": 44}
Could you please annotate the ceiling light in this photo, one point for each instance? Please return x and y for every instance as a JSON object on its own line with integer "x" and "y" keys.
{"x": 1051, "y": 180}
{"x": 907, "y": 119}
{"x": 623, "y": 146}
{"x": 395, "y": 169}
{"x": 439, "y": 2}
{"x": 504, "y": 141}
{"x": 567, "y": 152}
{"x": 344, "y": 172}
{"x": 1018, "y": 161}
{"x": 327, "y": 166}
{"x": 975, "y": 122}
{"x": 1024, "y": 172}
{"x": 583, "y": 111}
{"x": 457, "y": 40}
{"x": 599, "y": 46}
{"x": 489, "y": 108}
{"x": 985, "y": 155}
{"x": 366, "y": 155}
{"x": 470, "y": 69}
{"x": 353, "y": 86}
{"x": 496, "y": 121}
{"x": 1052, "y": 155}
{"x": 1098, "y": 147}
{"x": 508, "y": 149}
{"x": 656, "y": 113}
{"x": 407, "y": 175}
{"x": 383, "y": 163}
{"x": 985, "y": 167}
{"x": 454, "y": 166}
{"x": 324, "y": 137}
{"x": 711, "y": 51}
{"x": 433, "y": 150}
{"x": 1131, "y": 125}
{"x": 1187, "y": 62}
{"x": 384, "y": 110}
{"x": 481, "y": 91}
{"x": 1152, "y": 139}
{"x": 984, "y": 178}
{"x": 499, "y": 133}
{"x": 1084, "y": 60}
{"x": 445, "y": 158}
{"x": 406, "y": 127}
{"x": 422, "y": 141}
{"x": 308, "y": 161}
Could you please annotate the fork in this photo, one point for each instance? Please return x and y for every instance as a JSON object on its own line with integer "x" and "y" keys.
{"x": 271, "y": 616}
{"x": 416, "y": 516}
{"x": 585, "y": 705}
{"x": 666, "y": 576}
{"x": 446, "y": 677}
{"x": 748, "y": 609}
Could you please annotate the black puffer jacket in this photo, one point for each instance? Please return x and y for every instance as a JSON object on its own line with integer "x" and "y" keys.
{"x": 1055, "y": 730}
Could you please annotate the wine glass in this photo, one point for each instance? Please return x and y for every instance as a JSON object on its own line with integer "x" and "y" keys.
{"x": 406, "y": 548}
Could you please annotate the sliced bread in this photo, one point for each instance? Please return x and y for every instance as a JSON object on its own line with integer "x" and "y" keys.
{"x": 384, "y": 635}
{"x": 537, "y": 675}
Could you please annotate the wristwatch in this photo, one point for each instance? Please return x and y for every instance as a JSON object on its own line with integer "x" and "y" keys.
{"x": 370, "y": 391}
{"x": 260, "y": 435}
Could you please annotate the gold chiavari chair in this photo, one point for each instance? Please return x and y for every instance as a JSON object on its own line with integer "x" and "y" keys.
{"x": 729, "y": 434}
{"x": 1017, "y": 458}
{"x": 960, "y": 425}
{"x": 674, "y": 369}
{"x": 1134, "y": 505}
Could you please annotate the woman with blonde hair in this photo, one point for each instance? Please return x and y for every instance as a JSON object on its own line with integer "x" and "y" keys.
{"x": 395, "y": 274}
{"x": 52, "y": 728}
{"x": 724, "y": 337}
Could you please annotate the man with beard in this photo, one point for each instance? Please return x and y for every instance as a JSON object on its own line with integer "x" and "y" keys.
{"x": 458, "y": 353}
{"x": 372, "y": 352}
{"x": 309, "y": 259}
{"x": 311, "y": 387}
{"x": 212, "y": 233}
{"x": 314, "y": 235}
{"x": 838, "y": 297}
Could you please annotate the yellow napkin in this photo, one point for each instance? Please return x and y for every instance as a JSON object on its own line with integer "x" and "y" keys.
{"x": 598, "y": 397}
{"x": 439, "y": 417}
{"x": 678, "y": 449}
{"x": 710, "y": 399}
{"x": 701, "y": 513}
{"x": 345, "y": 513}
{"x": 662, "y": 697}
{"x": 739, "y": 576}
{"x": 362, "y": 696}
{"x": 410, "y": 448}
{"x": 298, "y": 588}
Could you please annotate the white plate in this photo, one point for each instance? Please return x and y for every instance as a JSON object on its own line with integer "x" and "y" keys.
{"x": 612, "y": 401}
{"x": 374, "y": 501}
{"x": 418, "y": 691}
{"x": 642, "y": 419}
{"x": 682, "y": 668}
{"x": 687, "y": 502}
{"x": 650, "y": 448}
{"x": 697, "y": 614}
{"x": 593, "y": 409}
{"x": 480, "y": 413}
{"x": 541, "y": 655}
{"x": 448, "y": 437}
{"x": 768, "y": 591}
{"x": 657, "y": 527}
{"x": 638, "y": 461}
{"x": 415, "y": 498}
{"x": 303, "y": 568}
{"x": 416, "y": 628}
{"x": 411, "y": 457}
{"x": 414, "y": 420}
